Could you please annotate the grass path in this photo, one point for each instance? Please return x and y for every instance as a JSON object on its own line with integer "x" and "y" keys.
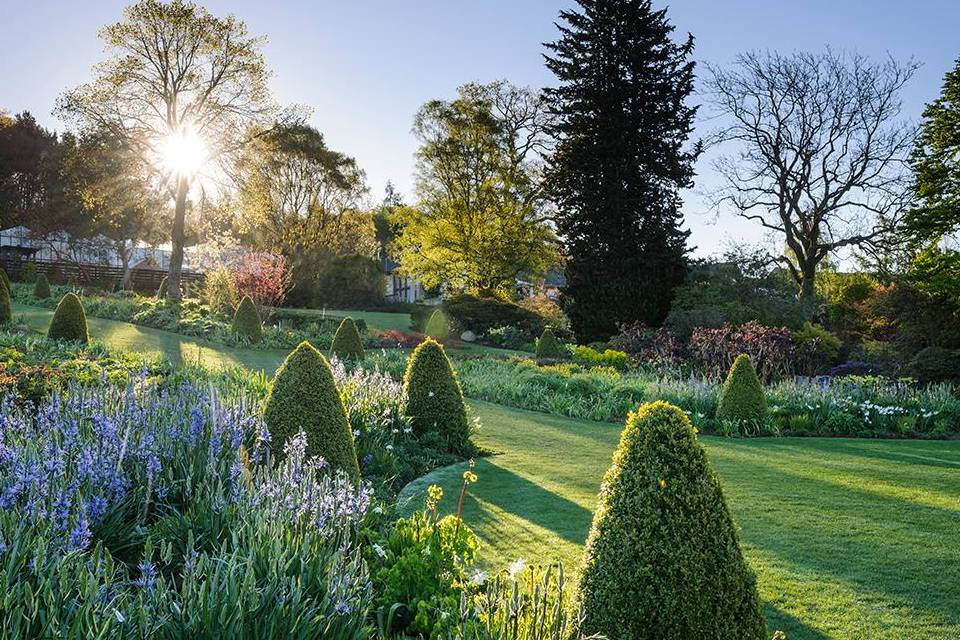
{"x": 850, "y": 539}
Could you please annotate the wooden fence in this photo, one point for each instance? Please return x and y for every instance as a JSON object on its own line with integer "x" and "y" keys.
{"x": 104, "y": 276}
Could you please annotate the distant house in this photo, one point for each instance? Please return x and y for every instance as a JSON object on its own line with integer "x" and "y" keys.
{"x": 399, "y": 287}
{"x": 550, "y": 285}
{"x": 60, "y": 246}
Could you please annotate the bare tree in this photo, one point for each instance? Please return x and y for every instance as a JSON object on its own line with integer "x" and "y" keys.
{"x": 181, "y": 87}
{"x": 821, "y": 150}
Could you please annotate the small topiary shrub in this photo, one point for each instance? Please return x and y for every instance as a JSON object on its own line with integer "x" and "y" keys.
{"x": 69, "y": 320}
{"x": 6, "y": 314}
{"x": 29, "y": 272}
{"x": 438, "y": 327}
{"x": 347, "y": 344}
{"x": 549, "y": 348}
{"x": 246, "y": 321}
{"x": 162, "y": 289}
{"x": 663, "y": 560}
{"x": 41, "y": 288}
{"x": 434, "y": 398}
{"x": 742, "y": 400}
{"x": 935, "y": 364}
{"x": 305, "y": 397}
{"x": 5, "y": 279}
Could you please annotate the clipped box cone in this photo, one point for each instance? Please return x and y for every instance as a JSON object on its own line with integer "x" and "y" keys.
{"x": 435, "y": 403}
{"x": 305, "y": 397}
{"x": 347, "y": 344}
{"x": 663, "y": 561}
{"x": 246, "y": 321}
{"x": 69, "y": 321}
{"x": 41, "y": 288}
{"x": 742, "y": 399}
{"x": 6, "y": 313}
{"x": 549, "y": 348}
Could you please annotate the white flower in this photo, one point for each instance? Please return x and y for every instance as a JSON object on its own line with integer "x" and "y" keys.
{"x": 379, "y": 551}
{"x": 378, "y": 509}
{"x": 516, "y": 568}
{"x": 478, "y": 577}
{"x": 118, "y": 616}
{"x": 430, "y": 394}
{"x": 408, "y": 430}
{"x": 356, "y": 433}
{"x": 389, "y": 447}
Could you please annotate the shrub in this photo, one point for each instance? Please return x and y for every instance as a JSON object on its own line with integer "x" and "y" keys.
{"x": 480, "y": 314}
{"x": 6, "y": 315}
{"x": 5, "y": 279}
{"x": 438, "y": 327}
{"x": 935, "y": 364}
{"x": 69, "y": 320}
{"x": 29, "y": 272}
{"x": 347, "y": 281}
{"x": 305, "y": 397}
{"x": 246, "y": 321}
{"x": 434, "y": 398}
{"x": 608, "y": 358}
{"x": 162, "y": 289}
{"x": 742, "y": 400}
{"x": 549, "y": 348}
{"x": 219, "y": 292}
{"x": 816, "y": 347}
{"x": 347, "y": 344}
{"x": 265, "y": 277}
{"x": 663, "y": 560}
{"x": 41, "y": 288}
{"x": 771, "y": 349}
{"x": 645, "y": 343}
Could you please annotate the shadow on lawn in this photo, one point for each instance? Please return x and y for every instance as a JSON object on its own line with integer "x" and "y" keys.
{"x": 780, "y": 620}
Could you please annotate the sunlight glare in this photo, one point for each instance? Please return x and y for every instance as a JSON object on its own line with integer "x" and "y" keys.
{"x": 183, "y": 152}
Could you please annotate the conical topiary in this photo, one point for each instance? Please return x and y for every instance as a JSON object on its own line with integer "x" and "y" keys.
{"x": 41, "y": 288}
{"x": 742, "y": 400}
{"x": 549, "y": 348}
{"x": 305, "y": 397}
{"x": 6, "y": 314}
{"x": 347, "y": 344}
{"x": 434, "y": 397}
{"x": 663, "y": 560}
{"x": 246, "y": 321}
{"x": 438, "y": 327}
{"x": 5, "y": 279}
{"x": 69, "y": 320}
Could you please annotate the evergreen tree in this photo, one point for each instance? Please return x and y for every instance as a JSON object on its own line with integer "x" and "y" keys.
{"x": 621, "y": 122}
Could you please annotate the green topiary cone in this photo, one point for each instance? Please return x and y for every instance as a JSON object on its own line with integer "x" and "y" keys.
{"x": 663, "y": 561}
{"x": 5, "y": 279}
{"x": 438, "y": 327}
{"x": 434, "y": 398}
{"x": 6, "y": 314}
{"x": 305, "y": 397}
{"x": 246, "y": 321}
{"x": 742, "y": 399}
{"x": 549, "y": 348}
{"x": 69, "y": 320}
{"x": 347, "y": 344}
{"x": 41, "y": 288}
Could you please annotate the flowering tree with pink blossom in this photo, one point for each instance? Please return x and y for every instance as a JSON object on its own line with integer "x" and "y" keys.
{"x": 265, "y": 277}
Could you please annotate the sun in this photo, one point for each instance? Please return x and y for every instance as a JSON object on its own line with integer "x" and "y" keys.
{"x": 183, "y": 152}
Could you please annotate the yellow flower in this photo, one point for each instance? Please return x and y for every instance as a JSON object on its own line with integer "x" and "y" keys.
{"x": 663, "y": 484}
{"x": 469, "y": 477}
{"x": 434, "y": 493}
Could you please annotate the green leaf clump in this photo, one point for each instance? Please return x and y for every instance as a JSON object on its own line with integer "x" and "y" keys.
{"x": 435, "y": 403}
{"x": 69, "y": 321}
{"x": 304, "y": 397}
{"x": 549, "y": 348}
{"x": 742, "y": 400}
{"x": 246, "y": 321}
{"x": 347, "y": 344}
{"x": 41, "y": 288}
{"x": 663, "y": 561}
{"x": 6, "y": 313}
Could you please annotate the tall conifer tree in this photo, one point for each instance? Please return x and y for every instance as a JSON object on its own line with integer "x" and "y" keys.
{"x": 621, "y": 122}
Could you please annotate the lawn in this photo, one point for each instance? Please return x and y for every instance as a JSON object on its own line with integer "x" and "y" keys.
{"x": 849, "y": 538}
{"x": 383, "y": 320}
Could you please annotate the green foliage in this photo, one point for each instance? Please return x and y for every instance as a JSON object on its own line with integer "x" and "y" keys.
{"x": 608, "y": 358}
{"x": 218, "y": 292}
{"x": 305, "y": 397}
{"x": 482, "y": 313}
{"x": 6, "y": 315}
{"x": 162, "y": 289}
{"x": 5, "y": 279}
{"x": 246, "y": 321}
{"x": 438, "y": 327}
{"x": 617, "y": 209}
{"x": 28, "y": 273}
{"x": 742, "y": 400}
{"x": 434, "y": 398}
{"x": 41, "y": 288}
{"x": 348, "y": 281}
{"x": 822, "y": 345}
{"x": 935, "y": 364}
{"x": 425, "y": 572}
{"x": 69, "y": 321}
{"x": 549, "y": 348}
{"x": 347, "y": 344}
{"x": 663, "y": 560}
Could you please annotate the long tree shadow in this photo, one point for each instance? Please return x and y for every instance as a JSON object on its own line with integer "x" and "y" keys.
{"x": 780, "y": 620}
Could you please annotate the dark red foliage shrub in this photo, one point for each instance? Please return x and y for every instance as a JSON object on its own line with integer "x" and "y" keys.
{"x": 771, "y": 349}
{"x": 645, "y": 343}
{"x": 398, "y": 339}
{"x": 264, "y": 277}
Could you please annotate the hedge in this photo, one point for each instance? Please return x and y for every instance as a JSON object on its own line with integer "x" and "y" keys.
{"x": 662, "y": 559}
{"x": 304, "y": 397}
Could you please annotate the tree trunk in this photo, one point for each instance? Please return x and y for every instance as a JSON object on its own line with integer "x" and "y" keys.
{"x": 176, "y": 240}
{"x": 808, "y": 300}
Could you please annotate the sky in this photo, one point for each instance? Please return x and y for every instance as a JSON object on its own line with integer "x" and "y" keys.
{"x": 365, "y": 66}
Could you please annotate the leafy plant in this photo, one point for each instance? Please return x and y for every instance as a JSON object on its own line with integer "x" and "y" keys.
{"x": 69, "y": 321}
{"x": 549, "y": 348}
{"x": 742, "y": 399}
{"x": 347, "y": 344}
{"x": 246, "y": 321}
{"x": 41, "y": 288}
{"x": 434, "y": 399}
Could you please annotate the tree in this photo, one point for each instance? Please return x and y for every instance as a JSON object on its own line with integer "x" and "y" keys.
{"x": 480, "y": 221}
{"x": 621, "y": 124}
{"x": 821, "y": 153}
{"x": 181, "y": 89}
{"x": 936, "y": 216}
{"x": 27, "y": 169}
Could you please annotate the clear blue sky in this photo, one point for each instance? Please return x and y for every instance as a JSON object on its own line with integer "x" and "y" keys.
{"x": 365, "y": 66}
